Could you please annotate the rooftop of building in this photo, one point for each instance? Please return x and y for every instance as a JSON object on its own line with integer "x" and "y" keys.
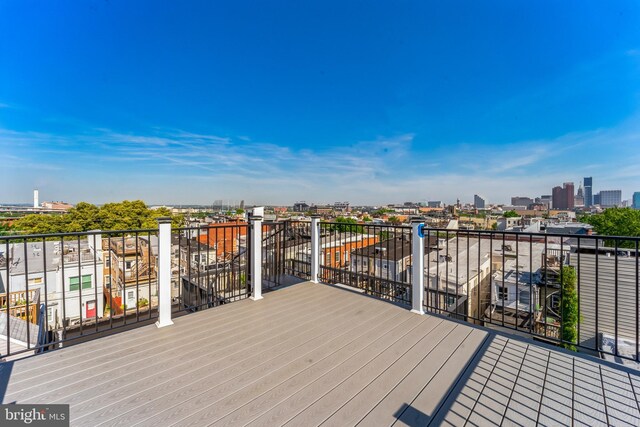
{"x": 313, "y": 354}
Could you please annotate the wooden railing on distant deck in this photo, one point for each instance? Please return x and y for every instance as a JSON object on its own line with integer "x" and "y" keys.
{"x": 17, "y": 304}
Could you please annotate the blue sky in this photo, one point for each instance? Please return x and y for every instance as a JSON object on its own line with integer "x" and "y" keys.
{"x": 278, "y": 101}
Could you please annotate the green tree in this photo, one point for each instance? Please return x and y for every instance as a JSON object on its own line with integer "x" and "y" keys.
{"x": 382, "y": 211}
{"x": 85, "y": 216}
{"x": 394, "y": 220}
{"x": 343, "y": 224}
{"x": 616, "y": 222}
{"x": 510, "y": 214}
{"x": 569, "y": 308}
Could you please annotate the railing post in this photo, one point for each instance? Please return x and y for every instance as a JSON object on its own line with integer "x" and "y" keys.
{"x": 256, "y": 255}
{"x": 164, "y": 272}
{"x": 315, "y": 248}
{"x": 417, "y": 267}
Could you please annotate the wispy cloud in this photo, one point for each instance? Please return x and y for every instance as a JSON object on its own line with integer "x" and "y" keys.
{"x": 187, "y": 165}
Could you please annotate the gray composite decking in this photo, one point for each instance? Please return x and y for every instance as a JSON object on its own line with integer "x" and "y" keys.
{"x": 315, "y": 354}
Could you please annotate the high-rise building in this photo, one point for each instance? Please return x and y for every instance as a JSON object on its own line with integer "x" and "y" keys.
{"x": 521, "y": 201}
{"x": 478, "y": 202}
{"x": 588, "y": 191}
{"x": 564, "y": 197}
{"x": 579, "y": 199}
{"x": 610, "y": 198}
{"x": 596, "y": 199}
{"x": 636, "y": 200}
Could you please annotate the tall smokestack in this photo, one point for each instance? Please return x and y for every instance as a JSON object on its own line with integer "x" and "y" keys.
{"x": 36, "y": 205}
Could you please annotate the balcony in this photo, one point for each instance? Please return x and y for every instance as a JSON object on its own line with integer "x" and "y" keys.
{"x": 313, "y": 354}
{"x": 349, "y": 350}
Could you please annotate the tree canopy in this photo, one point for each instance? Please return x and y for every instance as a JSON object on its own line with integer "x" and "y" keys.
{"x": 616, "y": 222}
{"x": 510, "y": 214}
{"x": 343, "y": 224}
{"x": 85, "y": 216}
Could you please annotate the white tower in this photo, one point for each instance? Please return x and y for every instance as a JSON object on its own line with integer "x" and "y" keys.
{"x": 36, "y": 205}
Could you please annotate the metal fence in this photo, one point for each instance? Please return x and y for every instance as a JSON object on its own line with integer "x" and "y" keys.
{"x": 579, "y": 291}
{"x": 373, "y": 258}
{"x": 575, "y": 291}
{"x": 58, "y": 288}
{"x": 210, "y": 266}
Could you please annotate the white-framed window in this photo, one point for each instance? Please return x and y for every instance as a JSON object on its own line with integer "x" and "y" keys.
{"x": 35, "y": 281}
{"x": 338, "y": 256}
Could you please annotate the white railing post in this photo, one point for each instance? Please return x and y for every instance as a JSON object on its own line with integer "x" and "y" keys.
{"x": 256, "y": 254}
{"x": 417, "y": 267}
{"x": 164, "y": 272}
{"x": 315, "y": 248}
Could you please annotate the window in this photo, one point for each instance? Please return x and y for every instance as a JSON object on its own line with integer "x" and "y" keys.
{"x": 451, "y": 299}
{"x": 74, "y": 282}
{"x": 128, "y": 264}
{"x": 503, "y": 293}
{"x": 338, "y": 256}
{"x": 328, "y": 257}
{"x": 35, "y": 281}
{"x": 346, "y": 257}
{"x": 525, "y": 297}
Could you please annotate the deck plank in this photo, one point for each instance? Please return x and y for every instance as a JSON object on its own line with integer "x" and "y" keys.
{"x": 83, "y": 357}
{"x": 309, "y": 366}
{"x": 425, "y": 405}
{"x": 324, "y": 381}
{"x": 315, "y": 354}
{"x": 231, "y": 369}
{"x": 229, "y": 331}
{"x": 459, "y": 405}
{"x": 369, "y": 397}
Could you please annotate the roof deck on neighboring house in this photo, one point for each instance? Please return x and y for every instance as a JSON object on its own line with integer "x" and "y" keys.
{"x": 312, "y": 354}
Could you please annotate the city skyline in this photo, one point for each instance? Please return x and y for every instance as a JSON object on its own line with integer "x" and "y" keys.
{"x": 325, "y": 102}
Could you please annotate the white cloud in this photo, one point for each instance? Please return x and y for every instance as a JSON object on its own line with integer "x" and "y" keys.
{"x": 177, "y": 166}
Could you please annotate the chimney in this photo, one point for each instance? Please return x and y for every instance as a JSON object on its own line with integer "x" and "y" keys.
{"x": 36, "y": 205}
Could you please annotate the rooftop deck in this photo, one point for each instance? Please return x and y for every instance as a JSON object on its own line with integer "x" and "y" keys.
{"x": 316, "y": 354}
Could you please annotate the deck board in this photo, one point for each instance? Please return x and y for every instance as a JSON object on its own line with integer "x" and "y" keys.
{"x": 313, "y": 354}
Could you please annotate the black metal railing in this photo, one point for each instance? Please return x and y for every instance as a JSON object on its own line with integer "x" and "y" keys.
{"x": 210, "y": 266}
{"x": 61, "y": 288}
{"x": 576, "y": 291}
{"x": 580, "y": 292}
{"x": 375, "y": 258}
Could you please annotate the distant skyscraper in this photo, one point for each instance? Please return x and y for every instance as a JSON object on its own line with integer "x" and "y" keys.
{"x": 596, "y": 199}
{"x": 588, "y": 191}
{"x": 579, "y": 200}
{"x": 610, "y": 198}
{"x": 478, "y": 202}
{"x": 636, "y": 200}
{"x": 521, "y": 201}
{"x": 564, "y": 197}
